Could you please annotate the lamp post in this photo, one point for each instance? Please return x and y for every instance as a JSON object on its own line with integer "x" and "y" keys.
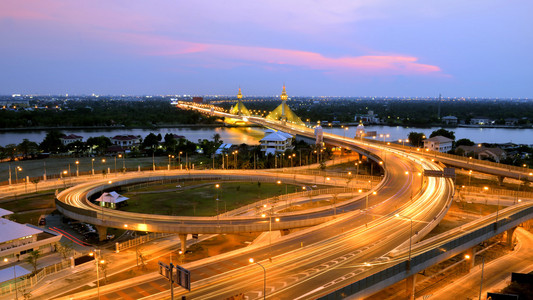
{"x": 373, "y": 193}
{"x": 251, "y": 260}
{"x": 270, "y": 229}
{"x": 77, "y": 168}
{"x": 179, "y": 157}
{"x": 103, "y": 162}
{"x": 216, "y": 200}
{"x": 92, "y": 165}
{"x": 469, "y": 177}
{"x": 17, "y": 169}
{"x": 410, "y": 238}
{"x": 97, "y": 254}
{"x": 482, "y": 269}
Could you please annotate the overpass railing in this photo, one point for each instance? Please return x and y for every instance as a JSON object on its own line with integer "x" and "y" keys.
{"x": 465, "y": 159}
{"x": 493, "y": 191}
{"x": 400, "y": 268}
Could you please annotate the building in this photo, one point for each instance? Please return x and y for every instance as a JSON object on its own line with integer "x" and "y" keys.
{"x": 71, "y": 138}
{"x": 511, "y": 121}
{"x": 112, "y": 200}
{"x": 450, "y": 120}
{"x": 438, "y": 143}
{"x": 319, "y": 135}
{"x": 480, "y": 121}
{"x": 198, "y": 100}
{"x": 276, "y": 142}
{"x": 126, "y": 141}
{"x": 369, "y": 118}
{"x": 482, "y": 152}
{"x": 17, "y": 240}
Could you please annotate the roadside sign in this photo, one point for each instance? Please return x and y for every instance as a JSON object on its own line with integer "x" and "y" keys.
{"x": 164, "y": 270}
{"x": 183, "y": 277}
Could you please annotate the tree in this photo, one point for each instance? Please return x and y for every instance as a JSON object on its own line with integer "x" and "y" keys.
{"x": 443, "y": 132}
{"x": 36, "y": 182}
{"x": 32, "y": 259}
{"x": 464, "y": 142}
{"x": 416, "y": 138}
{"x": 52, "y": 142}
{"x": 150, "y": 141}
{"x": 98, "y": 143}
{"x": 28, "y": 148}
{"x": 65, "y": 249}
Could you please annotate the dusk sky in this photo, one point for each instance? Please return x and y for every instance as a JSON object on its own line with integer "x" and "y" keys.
{"x": 473, "y": 48}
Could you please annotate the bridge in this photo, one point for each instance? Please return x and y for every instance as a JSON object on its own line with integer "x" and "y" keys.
{"x": 349, "y": 247}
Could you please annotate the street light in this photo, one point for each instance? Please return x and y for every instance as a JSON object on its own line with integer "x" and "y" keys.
{"x": 77, "y": 168}
{"x": 270, "y": 229}
{"x": 410, "y": 238}
{"x": 373, "y": 193}
{"x": 96, "y": 258}
{"x": 216, "y": 200}
{"x": 17, "y": 169}
{"x": 92, "y": 165}
{"x": 251, "y": 260}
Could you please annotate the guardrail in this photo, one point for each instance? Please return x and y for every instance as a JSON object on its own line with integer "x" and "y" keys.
{"x": 417, "y": 260}
{"x": 453, "y": 156}
{"x": 493, "y": 191}
{"x": 140, "y": 240}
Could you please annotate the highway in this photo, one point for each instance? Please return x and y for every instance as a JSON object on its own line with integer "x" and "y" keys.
{"x": 302, "y": 263}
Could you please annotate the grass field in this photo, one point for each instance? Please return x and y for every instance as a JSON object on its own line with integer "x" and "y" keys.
{"x": 199, "y": 198}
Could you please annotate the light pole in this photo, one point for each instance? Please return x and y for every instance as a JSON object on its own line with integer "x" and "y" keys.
{"x": 482, "y": 269}
{"x": 103, "y": 162}
{"x": 97, "y": 256}
{"x": 17, "y": 169}
{"x": 216, "y": 200}
{"x": 469, "y": 177}
{"x": 373, "y": 193}
{"x": 251, "y": 260}
{"x": 77, "y": 168}
{"x": 270, "y": 229}
{"x": 410, "y": 238}
{"x": 92, "y": 165}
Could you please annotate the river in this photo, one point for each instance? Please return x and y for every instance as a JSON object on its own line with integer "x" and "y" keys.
{"x": 252, "y": 135}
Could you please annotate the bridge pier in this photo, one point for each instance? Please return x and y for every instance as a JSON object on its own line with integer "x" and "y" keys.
{"x": 183, "y": 242}
{"x": 102, "y": 232}
{"x": 510, "y": 236}
{"x": 500, "y": 180}
{"x": 410, "y": 286}
{"x": 528, "y": 224}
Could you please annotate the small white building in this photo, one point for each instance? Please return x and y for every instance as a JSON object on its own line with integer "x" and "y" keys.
{"x": 276, "y": 142}
{"x": 126, "y": 141}
{"x": 71, "y": 138}
{"x": 480, "y": 121}
{"x": 438, "y": 143}
{"x": 360, "y": 130}
{"x": 319, "y": 135}
{"x": 449, "y": 120}
{"x": 111, "y": 199}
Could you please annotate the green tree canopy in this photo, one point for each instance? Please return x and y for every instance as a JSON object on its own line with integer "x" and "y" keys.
{"x": 52, "y": 142}
{"x": 416, "y": 138}
{"x": 443, "y": 132}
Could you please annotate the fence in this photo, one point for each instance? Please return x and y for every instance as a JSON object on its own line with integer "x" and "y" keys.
{"x": 141, "y": 240}
{"x": 30, "y": 281}
{"x": 493, "y": 191}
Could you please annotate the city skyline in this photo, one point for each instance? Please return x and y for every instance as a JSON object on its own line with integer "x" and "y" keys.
{"x": 352, "y": 48}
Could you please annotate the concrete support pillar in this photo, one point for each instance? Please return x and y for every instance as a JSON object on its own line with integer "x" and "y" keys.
{"x": 510, "y": 235}
{"x": 72, "y": 263}
{"x": 472, "y": 258}
{"x": 410, "y": 287}
{"x": 183, "y": 242}
{"x": 102, "y": 232}
{"x": 500, "y": 180}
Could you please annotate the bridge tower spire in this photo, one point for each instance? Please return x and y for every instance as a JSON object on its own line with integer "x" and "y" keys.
{"x": 283, "y": 103}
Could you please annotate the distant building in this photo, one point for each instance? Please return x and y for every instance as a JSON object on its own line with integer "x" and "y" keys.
{"x": 482, "y": 152}
{"x": 111, "y": 200}
{"x": 449, "y": 120}
{"x": 199, "y": 100}
{"x": 511, "y": 121}
{"x": 438, "y": 143}
{"x": 17, "y": 240}
{"x": 276, "y": 142}
{"x": 480, "y": 121}
{"x": 369, "y": 118}
{"x": 71, "y": 138}
{"x": 126, "y": 141}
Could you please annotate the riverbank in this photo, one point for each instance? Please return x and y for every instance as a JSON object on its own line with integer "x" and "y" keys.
{"x": 111, "y": 128}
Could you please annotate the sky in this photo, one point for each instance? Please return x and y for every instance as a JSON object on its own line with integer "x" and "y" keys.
{"x": 474, "y": 48}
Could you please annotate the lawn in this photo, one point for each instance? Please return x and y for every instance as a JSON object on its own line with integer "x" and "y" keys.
{"x": 199, "y": 198}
